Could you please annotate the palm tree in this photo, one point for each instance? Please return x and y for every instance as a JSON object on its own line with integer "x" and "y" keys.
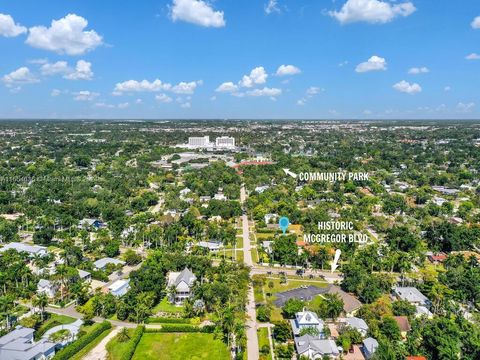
{"x": 40, "y": 301}
{"x": 123, "y": 335}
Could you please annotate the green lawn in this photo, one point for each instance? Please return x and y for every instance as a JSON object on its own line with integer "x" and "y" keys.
{"x": 180, "y": 346}
{"x": 262, "y": 335}
{"x": 53, "y": 321}
{"x": 116, "y": 348}
{"x": 167, "y": 307}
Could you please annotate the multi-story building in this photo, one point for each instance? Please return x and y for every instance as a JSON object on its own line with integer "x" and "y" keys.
{"x": 225, "y": 142}
{"x": 199, "y": 141}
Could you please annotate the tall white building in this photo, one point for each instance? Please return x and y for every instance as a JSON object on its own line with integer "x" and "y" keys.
{"x": 199, "y": 141}
{"x": 225, "y": 142}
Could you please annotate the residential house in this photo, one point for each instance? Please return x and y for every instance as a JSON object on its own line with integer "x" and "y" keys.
{"x": 20, "y": 345}
{"x": 73, "y": 330}
{"x": 31, "y": 250}
{"x": 350, "y": 303}
{"x": 180, "y": 285}
{"x": 370, "y": 345}
{"x": 307, "y": 319}
{"x": 47, "y": 287}
{"x": 403, "y": 324}
{"x": 315, "y": 348}
{"x": 91, "y": 224}
{"x": 213, "y": 246}
{"x": 412, "y": 295}
{"x": 85, "y": 275}
{"x": 119, "y": 287}
{"x": 102, "y": 263}
{"x": 270, "y": 218}
{"x": 356, "y": 323}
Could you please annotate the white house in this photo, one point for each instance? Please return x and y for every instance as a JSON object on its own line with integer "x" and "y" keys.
{"x": 102, "y": 263}
{"x": 412, "y": 295}
{"x": 119, "y": 287}
{"x": 369, "y": 347}
{"x": 182, "y": 283}
{"x": 47, "y": 287}
{"x": 85, "y": 275}
{"x": 73, "y": 330}
{"x": 20, "y": 345}
{"x": 270, "y": 218}
{"x": 307, "y": 319}
{"x": 32, "y": 250}
{"x": 356, "y": 323}
{"x": 315, "y": 348}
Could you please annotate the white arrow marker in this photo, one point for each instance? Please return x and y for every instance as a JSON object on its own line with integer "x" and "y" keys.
{"x": 338, "y": 252}
{"x": 288, "y": 172}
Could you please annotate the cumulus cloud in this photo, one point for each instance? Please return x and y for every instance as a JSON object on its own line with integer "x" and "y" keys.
{"x": 55, "y": 92}
{"x": 65, "y": 36}
{"x": 82, "y": 71}
{"x": 313, "y": 90}
{"x": 227, "y": 87}
{"x": 85, "y": 95}
{"x": 473, "y": 56}
{"x": 186, "y": 88}
{"x": 197, "y": 12}
{"x": 123, "y": 105}
{"x": 186, "y": 105}
{"x": 465, "y": 107}
{"x": 284, "y": 70}
{"x": 8, "y": 27}
{"x": 476, "y": 23}
{"x": 271, "y": 7}
{"x": 141, "y": 86}
{"x": 266, "y": 91}
{"x": 19, "y": 77}
{"x": 406, "y": 87}
{"x": 163, "y": 98}
{"x": 375, "y": 63}
{"x": 418, "y": 70}
{"x": 257, "y": 76}
{"x": 372, "y": 11}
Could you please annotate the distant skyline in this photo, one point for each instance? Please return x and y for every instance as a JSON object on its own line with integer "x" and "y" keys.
{"x": 305, "y": 59}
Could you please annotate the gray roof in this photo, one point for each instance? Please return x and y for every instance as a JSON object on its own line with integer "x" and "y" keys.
{"x": 100, "y": 264}
{"x": 83, "y": 274}
{"x": 370, "y": 344}
{"x": 17, "y": 345}
{"x": 316, "y": 345}
{"x": 74, "y": 328}
{"x": 44, "y": 283}
{"x": 31, "y": 249}
{"x": 350, "y": 302}
{"x": 187, "y": 276}
{"x": 410, "y": 294}
{"x": 357, "y": 323}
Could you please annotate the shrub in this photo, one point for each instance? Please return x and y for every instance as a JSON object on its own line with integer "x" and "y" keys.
{"x": 164, "y": 320}
{"x": 181, "y": 328}
{"x": 70, "y": 350}
{"x": 132, "y": 345}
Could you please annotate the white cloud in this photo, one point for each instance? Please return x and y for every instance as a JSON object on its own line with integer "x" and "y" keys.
{"x": 266, "y": 91}
{"x": 313, "y": 90}
{"x": 138, "y": 101}
{"x": 473, "y": 56}
{"x": 83, "y": 71}
{"x": 227, "y": 87}
{"x": 301, "y": 102}
{"x": 186, "y": 105}
{"x": 85, "y": 95}
{"x": 163, "y": 98}
{"x": 60, "y": 67}
{"x": 271, "y": 7}
{"x": 476, "y": 23}
{"x": 55, "y": 92}
{"x": 197, "y": 12}
{"x": 375, "y": 63}
{"x": 447, "y": 88}
{"x": 65, "y": 36}
{"x": 418, "y": 70}
{"x": 372, "y": 11}
{"x": 406, "y": 87}
{"x": 186, "y": 88}
{"x": 19, "y": 77}
{"x": 343, "y": 63}
{"x": 465, "y": 107}
{"x": 257, "y": 76}
{"x": 104, "y": 105}
{"x": 284, "y": 70}
{"x": 123, "y": 105}
{"x": 8, "y": 28}
{"x": 139, "y": 86}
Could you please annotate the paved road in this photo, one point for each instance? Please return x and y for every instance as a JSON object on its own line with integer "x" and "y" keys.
{"x": 99, "y": 352}
{"x": 329, "y": 277}
{"x": 252, "y": 340}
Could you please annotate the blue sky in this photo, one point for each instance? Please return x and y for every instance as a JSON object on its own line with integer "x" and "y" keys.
{"x": 240, "y": 59}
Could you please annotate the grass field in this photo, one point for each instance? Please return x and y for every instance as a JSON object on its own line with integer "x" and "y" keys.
{"x": 166, "y": 307}
{"x": 116, "y": 348}
{"x": 180, "y": 346}
{"x": 53, "y": 321}
{"x": 263, "y": 343}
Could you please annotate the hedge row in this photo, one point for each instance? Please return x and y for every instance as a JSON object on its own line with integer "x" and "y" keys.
{"x": 165, "y": 320}
{"x": 132, "y": 344}
{"x": 70, "y": 350}
{"x": 172, "y": 328}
